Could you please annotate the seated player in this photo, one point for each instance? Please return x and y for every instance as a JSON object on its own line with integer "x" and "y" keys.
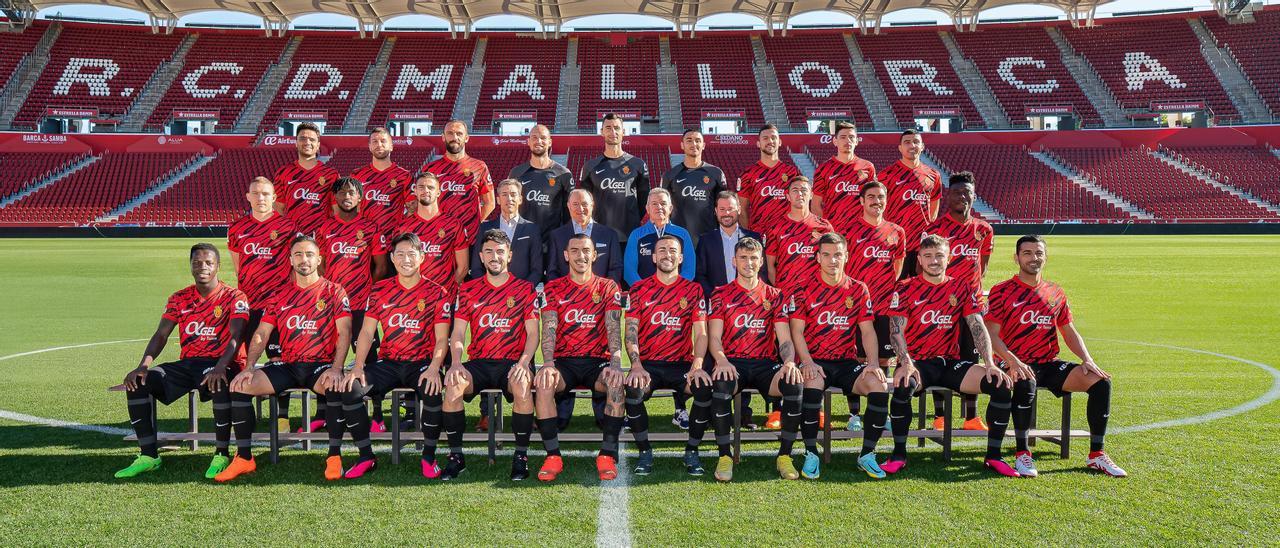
{"x": 666, "y": 339}
{"x": 414, "y": 313}
{"x": 581, "y": 348}
{"x": 1026, "y": 314}
{"x": 499, "y": 310}
{"x": 314, "y": 320}
{"x": 923, "y": 321}
{"x": 751, "y": 344}
{"x": 828, "y": 312}
{"x": 210, "y": 316}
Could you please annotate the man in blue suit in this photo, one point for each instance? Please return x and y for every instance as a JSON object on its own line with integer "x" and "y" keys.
{"x": 526, "y": 237}
{"x": 608, "y": 249}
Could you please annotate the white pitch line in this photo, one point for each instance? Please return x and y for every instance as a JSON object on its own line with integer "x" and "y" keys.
{"x": 613, "y": 522}
{"x": 86, "y": 345}
{"x": 32, "y": 419}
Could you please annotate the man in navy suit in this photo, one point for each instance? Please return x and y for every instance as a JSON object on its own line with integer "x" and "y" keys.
{"x": 526, "y": 237}
{"x": 608, "y": 247}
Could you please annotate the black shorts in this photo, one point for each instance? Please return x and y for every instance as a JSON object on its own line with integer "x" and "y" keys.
{"x": 757, "y": 374}
{"x": 968, "y": 351}
{"x": 1053, "y": 375}
{"x": 387, "y": 375}
{"x": 944, "y": 372}
{"x": 886, "y": 353}
{"x": 842, "y": 374}
{"x": 288, "y": 376}
{"x": 490, "y": 375}
{"x": 909, "y": 263}
{"x": 273, "y": 341}
{"x": 579, "y": 373}
{"x": 667, "y": 376}
{"x": 181, "y": 377}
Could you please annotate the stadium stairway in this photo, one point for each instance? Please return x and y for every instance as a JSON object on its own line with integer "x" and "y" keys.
{"x": 153, "y": 92}
{"x": 1239, "y": 89}
{"x": 464, "y": 106}
{"x": 993, "y": 113}
{"x": 25, "y": 76}
{"x": 669, "y": 112}
{"x": 1183, "y": 164}
{"x": 256, "y": 107}
{"x": 1090, "y": 83}
{"x": 357, "y": 120}
{"x": 775, "y": 109}
{"x": 802, "y": 161}
{"x": 980, "y": 207}
{"x": 570, "y": 84}
{"x": 882, "y": 118}
{"x": 1081, "y": 179}
{"x": 173, "y": 179}
{"x": 52, "y": 178}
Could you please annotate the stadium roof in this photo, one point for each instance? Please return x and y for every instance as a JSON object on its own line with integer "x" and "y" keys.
{"x": 551, "y": 14}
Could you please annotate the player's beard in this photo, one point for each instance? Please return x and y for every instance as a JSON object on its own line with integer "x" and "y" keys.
{"x": 454, "y": 147}
{"x": 489, "y": 268}
{"x": 383, "y": 155}
{"x": 670, "y": 266}
{"x": 425, "y": 203}
{"x": 535, "y": 152}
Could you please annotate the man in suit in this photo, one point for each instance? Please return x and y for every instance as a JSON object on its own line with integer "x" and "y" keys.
{"x": 608, "y": 247}
{"x": 526, "y": 237}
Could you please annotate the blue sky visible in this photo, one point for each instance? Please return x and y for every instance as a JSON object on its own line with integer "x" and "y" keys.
{"x": 626, "y": 21}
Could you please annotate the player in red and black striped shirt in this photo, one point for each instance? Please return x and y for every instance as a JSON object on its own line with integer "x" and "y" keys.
{"x": 924, "y": 315}
{"x": 1027, "y": 312}
{"x": 789, "y": 254}
{"x": 666, "y": 339}
{"x": 581, "y": 348}
{"x": 915, "y": 192}
{"x": 501, "y": 313}
{"x": 445, "y": 243}
{"x": 259, "y": 245}
{"x": 749, "y": 339}
{"x": 303, "y": 185}
{"x": 210, "y": 318}
{"x": 313, "y": 316}
{"x": 466, "y": 188}
{"x": 837, "y": 183}
{"x": 762, "y": 188}
{"x": 414, "y": 315}
{"x": 387, "y": 186}
{"x": 829, "y": 311}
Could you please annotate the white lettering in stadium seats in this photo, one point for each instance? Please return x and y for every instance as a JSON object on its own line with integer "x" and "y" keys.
{"x": 191, "y": 83}
{"x": 834, "y": 80}
{"x": 607, "y": 91}
{"x": 305, "y": 70}
{"x": 97, "y": 82}
{"x": 708, "y": 86}
{"x": 902, "y": 82}
{"x": 1005, "y": 70}
{"x": 437, "y": 80}
{"x": 1140, "y": 68}
{"x": 521, "y": 79}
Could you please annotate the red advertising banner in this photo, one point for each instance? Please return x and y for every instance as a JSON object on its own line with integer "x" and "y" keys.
{"x": 829, "y": 114}
{"x": 194, "y": 114}
{"x": 1051, "y": 109}
{"x": 71, "y": 112}
{"x": 522, "y": 115}
{"x": 937, "y": 111}
{"x": 723, "y": 115}
{"x": 1176, "y": 106}
{"x": 418, "y": 116}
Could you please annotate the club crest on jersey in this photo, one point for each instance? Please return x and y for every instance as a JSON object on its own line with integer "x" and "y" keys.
{"x": 359, "y": 236}
{"x": 848, "y": 302}
{"x": 275, "y": 235}
{"x": 892, "y": 239}
{"x": 862, "y": 175}
{"x": 321, "y": 181}
{"x": 217, "y": 311}
{"x": 422, "y": 305}
{"x": 394, "y": 183}
{"x": 596, "y": 298}
{"x": 320, "y": 305}
{"x": 766, "y": 304}
{"x": 785, "y": 177}
{"x": 706, "y": 179}
{"x": 626, "y": 170}
{"x": 511, "y": 302}
{"x": 953, "y": 300}
{"x": 441, "y": 233}
{"x": 684, "y": 303}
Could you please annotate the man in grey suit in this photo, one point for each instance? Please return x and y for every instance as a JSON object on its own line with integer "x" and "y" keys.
{"x": 608, "y": 247}
{"x": 526, "y": 237}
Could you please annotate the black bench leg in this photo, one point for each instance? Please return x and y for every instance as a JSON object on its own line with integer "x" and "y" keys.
{"x": 826, "y": 427}
{"x": 1066, "y": 426}
{"x": 306, "y": 419}
{"x": 494, "y": 413}
{"x": 395, "y": 427}
{"x": 274, "y": 426}
{"x": 920, "y": 418}
{"x": 193, "y": 420}
{"x": 946, "y": 430}
{"x": 737, "y": 427}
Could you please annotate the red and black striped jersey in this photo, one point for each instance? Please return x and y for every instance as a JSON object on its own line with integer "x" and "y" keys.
{"x": 581, "y": 311}
{"x": 204, "y": 323}
{"x": 348, "y": 248}
{"x": 970, "y": 242}
{"x": 307, "y": 319}
{"x": 441, "y": 237}
{"x": 765, "y": 188}
{"x": 748, "y": 316}
{"x": 1029, "y": 317}
{"x": 305, "y": 193}
{"x": 666, "y": 314}
{"x": 838, "y": 184}
{"x": 831, "y": 314}
{"x": 262, "y": 255}
{"x": 385, "y": 194}
{"x": 496, "y": 316}
{"x": 407, "y": 316}
{"x": 462, "y": 183}
{"x": 934, "y": 313}
{"x": 872, "y": 252}
{"x": 911, "y": 190}
{"x": 792, "y": 245}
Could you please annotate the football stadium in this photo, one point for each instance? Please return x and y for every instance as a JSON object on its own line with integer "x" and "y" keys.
{"x": 672, "y": 272}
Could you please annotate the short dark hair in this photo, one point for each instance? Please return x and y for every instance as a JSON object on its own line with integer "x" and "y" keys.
{"x": 344, "y": 182}
{"x": 961, "y": 178}
{"x": 406, "y": 237}
{"x": 1029, "y": 239}
{"x": 799, "y": 179}
{"x": 303, "y": 238}
{"x": 728, "y": 195}
{"x": 612, "y": 116}
{"x": 906, "y": 133}
{"x": 690, "y": 130}
{"x": 862, "y": 192}
{"x": 306, "y": 126}
{"x": 766, "y": 127}
{"x": 578, "y": 236}
{"x": 381, "y": 130}
{"x": 495, "y": 235}
{"x": 672, "y": 238}
{"x": 203, "y": 246}
{"x": 830, "y": 238}
{"x": 843, "y": 125}
{"x": 426, "y": 175}
{"x": 748, "y": 244}
{"x": 933, "y": 241}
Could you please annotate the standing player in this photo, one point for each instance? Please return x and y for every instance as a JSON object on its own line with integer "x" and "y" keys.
{"x": 444, "y": 242}
{"x": 922, "y": 322}
{"x": 749, "y": 339}
{"x": 827, "y": 312}
{"x": 466, "y": 189}
{"x": 666, "y": 339}
{"x": 914, "y": 192}
{"x": 876, "y": 251}
{"x": 210, "y": 316}
{"x": 971, "y": 242}
{"x": 546, "y": 184}
{"x": 387, "y": 186}
{"x": 499, "y": 310}
{"x": 305, "y": 182}
{"x": 618, "y": 181}
{"x": 314, "y": 319}
{"x": 762, "y": 188}
{"x": 791, "y": 243}
{"x": 694, "y": 185}
{"x": 414, "y": 316}
{"x": 579, "y": 352}
{"x": 837, "y": 182}
{"x": 1027, "y": 312}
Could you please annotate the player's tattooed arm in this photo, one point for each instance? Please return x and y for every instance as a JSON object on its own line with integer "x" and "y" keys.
{"x": 981, "y": 339}
{"x": 633, "y": 341}
{"x": 898, "y": 339}
{"x": 613, "y": 327}
{"x": 549, "y": 324}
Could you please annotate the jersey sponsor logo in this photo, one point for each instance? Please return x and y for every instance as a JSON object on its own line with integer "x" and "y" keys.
{"x": 828, "y": 317}
{"x": 846, "y": 187}
{"x": 403, "y": 321}
{"x": 199, "y": 329}
{"x": 540, "y": 198}
{"x": 494, "y": 321}
{"x": 374, "y": 195}
{"x": 934, "y": 317}
{"x": 748, "y": 321}
{"x": 874, "y": 252}
{"x": 298, "y": 321}
{"x": 1031, "y": 317}
{"x": 615, "y": 185}
{"x": 307, "y": 195}
{"x": 340, "y": 248}
{"x": 798, "y": 248}
{"x": 962, "y": 250}
{"x": 772, "y": 192}
{"x": 252, "y": 248}
{"x": 661, "y": 317}
{"x": 453, "y": 186}
{"x": 691, "y": 192}
{"x": 910, "y": 195}
{"x": 432, "y": 249}
{"x": 574, "y": 315}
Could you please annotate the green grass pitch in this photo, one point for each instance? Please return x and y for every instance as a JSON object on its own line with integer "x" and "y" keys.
{"x": 1208, "y": 482}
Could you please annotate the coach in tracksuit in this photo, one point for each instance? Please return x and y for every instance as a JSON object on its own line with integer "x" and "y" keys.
{"x": 637, "y": 260}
